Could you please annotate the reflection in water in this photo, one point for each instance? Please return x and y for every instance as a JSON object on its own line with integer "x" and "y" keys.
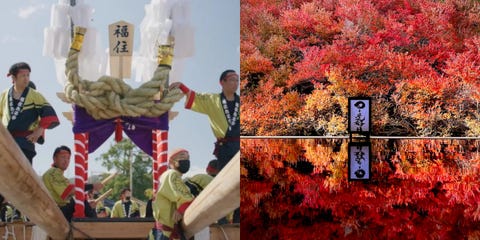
{"x": 418, "y": 189}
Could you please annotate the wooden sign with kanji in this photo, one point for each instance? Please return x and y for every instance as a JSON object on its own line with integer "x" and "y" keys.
{"x": 120, "y": 35}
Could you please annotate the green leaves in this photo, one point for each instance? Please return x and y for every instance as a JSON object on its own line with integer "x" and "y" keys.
{"x": 119, "y": 158}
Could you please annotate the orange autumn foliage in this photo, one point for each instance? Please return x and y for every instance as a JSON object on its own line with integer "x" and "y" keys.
{"x": 419, "y": 189}
{"x": 419, "y": 61}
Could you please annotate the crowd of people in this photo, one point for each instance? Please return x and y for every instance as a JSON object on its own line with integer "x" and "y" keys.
{"x": 26, "y": 114}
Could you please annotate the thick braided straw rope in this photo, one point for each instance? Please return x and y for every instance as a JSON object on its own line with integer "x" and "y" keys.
{"x": 110, "y": 97}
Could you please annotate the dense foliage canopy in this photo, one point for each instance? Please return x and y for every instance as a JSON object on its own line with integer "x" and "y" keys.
{"x": 419, "y": 189}
{"x": 418, "y": 60}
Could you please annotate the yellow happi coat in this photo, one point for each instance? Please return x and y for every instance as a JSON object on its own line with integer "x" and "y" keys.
{"x": 172, "y": 195}
{"x": 58, "y": 186}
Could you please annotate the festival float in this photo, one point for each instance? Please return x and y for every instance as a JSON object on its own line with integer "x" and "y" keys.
{"x": 109, "y": 105}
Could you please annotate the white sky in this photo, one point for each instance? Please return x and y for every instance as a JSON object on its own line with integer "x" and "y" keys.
{"x": 217, "y": 34}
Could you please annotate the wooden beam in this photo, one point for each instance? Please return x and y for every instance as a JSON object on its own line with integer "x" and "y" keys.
{"x": 21, "y": 186}
{"x": 19, "y": 229}
{"x": 225, "y": 231}
{"x": 111, "y": 229}
{"x": 220, "y": 197}
{"x": 109, "y": 178}
{"x": 68, "y": 116}
{"x": 62, "y": 97}
{"x": 103, "y": 196}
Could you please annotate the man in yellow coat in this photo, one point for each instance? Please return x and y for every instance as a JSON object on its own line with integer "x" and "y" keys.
{"x": 24, "y": 112}
{"x": 60, "y": 188}
{"x": 173, "y": 197}
{"x": 125, "y": 207}
{"x": 223, "y": 111}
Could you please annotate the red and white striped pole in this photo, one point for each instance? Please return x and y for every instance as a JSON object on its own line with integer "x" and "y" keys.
{"x": 86, "y": 159}
{"x": 160, "y": 155}
{"x": 81, "y": 155}
{"x": 155, "y": 175}
{"x": 162, "y": 150}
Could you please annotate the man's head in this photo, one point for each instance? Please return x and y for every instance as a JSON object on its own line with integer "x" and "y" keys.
{"x": 126, "y": 194}
{"x": 20, "y": 73}
{"x": 212, "y": 168}
{"x": 61, "y": 157}
{"x": 179, "y": 160}
{"x": 229, "y": 81}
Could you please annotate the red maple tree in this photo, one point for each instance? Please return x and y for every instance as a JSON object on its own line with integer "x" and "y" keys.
{"x": 419, "y": 189}
{"x": 418, "y": 60}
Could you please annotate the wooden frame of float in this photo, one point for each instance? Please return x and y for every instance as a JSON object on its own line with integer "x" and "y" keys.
{"x": 112, "y": 228}
{"x": 22, "y": 187}
{"x": 220, "y": 197}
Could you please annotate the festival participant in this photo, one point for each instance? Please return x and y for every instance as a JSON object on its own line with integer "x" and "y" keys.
{"x": 25, "y": 112}
{"x": 223, "y": 110}
{"x": 125, "y": 207}
{"x": 173, "y": 197}
{"x": 149, "y": 208}
{"x": 61, "y": 190}
{"x": 8, "y": 213}
{"x": 198, "y": 182}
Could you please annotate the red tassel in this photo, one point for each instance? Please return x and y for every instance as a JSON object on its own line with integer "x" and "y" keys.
{"x": 118, "y": 130}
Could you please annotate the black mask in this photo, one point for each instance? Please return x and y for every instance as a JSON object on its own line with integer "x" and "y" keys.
{"x": 96, "y": 195}
{"x": 127, "y": 198}
{"x": 183, "y": 166}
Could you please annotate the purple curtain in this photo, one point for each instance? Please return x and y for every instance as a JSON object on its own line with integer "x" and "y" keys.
{"x": 138, "y": 129}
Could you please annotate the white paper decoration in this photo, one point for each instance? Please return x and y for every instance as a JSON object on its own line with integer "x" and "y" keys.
{"x": 57, "y": 38}
{"x": 164, "y": 17}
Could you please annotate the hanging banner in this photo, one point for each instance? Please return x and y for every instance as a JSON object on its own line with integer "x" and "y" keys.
{"x": 359, "y": 114}
{"x": 359, "y": 160}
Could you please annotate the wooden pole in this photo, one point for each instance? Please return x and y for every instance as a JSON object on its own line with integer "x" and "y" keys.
{"x": 109, "y": 178}
{"x": 24, "y": 189}
{"x": 103, "y": 196}
{"x": 220, "y": 197}
{"x": 72, "y": 24}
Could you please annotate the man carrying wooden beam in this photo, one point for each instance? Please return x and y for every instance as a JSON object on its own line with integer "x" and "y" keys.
{"x": 173, "y": 197}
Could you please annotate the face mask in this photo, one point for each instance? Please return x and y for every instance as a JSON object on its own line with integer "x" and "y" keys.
{"x": 183, "y": 166}
{"x": 127, "y": 198}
